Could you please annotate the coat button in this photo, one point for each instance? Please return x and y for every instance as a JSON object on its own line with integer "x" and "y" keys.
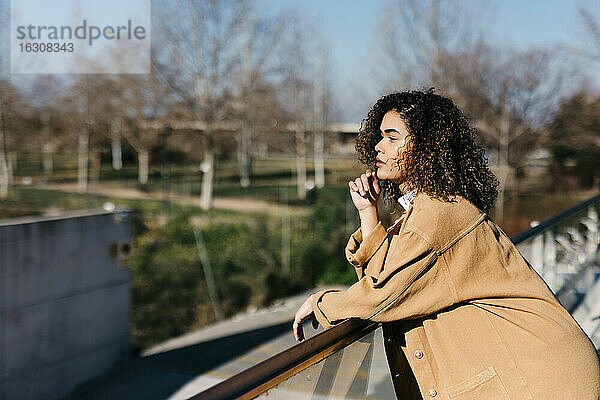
{"x": 419, "y": 354}
{"x": 432, "y": 392}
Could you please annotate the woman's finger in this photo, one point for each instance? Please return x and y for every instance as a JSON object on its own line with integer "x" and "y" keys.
{"x": 359, "y": 185}
{"x": 365, "y": 182}
{"x": 298, "y": 332}
{"x": 295, "y": 329}
{"x": 354, "y": 188}
{"x": 376, "y": 186}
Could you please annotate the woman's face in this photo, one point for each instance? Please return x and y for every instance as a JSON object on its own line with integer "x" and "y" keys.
{"x": 391, "y": 148}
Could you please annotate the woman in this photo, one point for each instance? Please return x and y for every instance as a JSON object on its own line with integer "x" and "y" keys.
{"x": 464, "y": 314}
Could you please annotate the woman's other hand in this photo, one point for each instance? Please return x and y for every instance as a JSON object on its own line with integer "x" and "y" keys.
{"x": 305, "y": 311}
{"x": 365, "y": 190}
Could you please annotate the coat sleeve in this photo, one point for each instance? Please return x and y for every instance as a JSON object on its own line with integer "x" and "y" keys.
{"x": 410, "y": 284}
{"x": 359, "y": 252}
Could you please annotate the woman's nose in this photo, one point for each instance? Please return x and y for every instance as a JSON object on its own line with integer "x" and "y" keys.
{"x": 378, "y": 147}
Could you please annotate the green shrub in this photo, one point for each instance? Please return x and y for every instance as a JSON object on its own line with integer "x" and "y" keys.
{"x": 169, "y": 290}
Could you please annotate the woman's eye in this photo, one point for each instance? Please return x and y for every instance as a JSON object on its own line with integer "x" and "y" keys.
{"x": 392, "y": 138}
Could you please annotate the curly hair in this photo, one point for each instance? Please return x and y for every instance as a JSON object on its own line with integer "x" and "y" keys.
{"x": 444, "y": 158}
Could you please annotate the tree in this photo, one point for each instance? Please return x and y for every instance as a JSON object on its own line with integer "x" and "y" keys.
{"x": 414, "y": 40}
{"x": 592, "y": 30}
{"x": 6, "y": 89}
{"x": 306, "y": 96}
{"x": 9, "y": 96}
{"x": 142, "y": 98}
{"x": 509, "y": 95}
{"x": 204, "y": 47}
{"x": 45, "y": 90}
{"x": 259, "y": 45}
{"x": 321, "y": 113}
{"x": 574, "y": 140}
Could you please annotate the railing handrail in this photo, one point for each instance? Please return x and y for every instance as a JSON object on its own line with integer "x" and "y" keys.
{"x": 270, "y": 372}
{"x": 550, "y": 222}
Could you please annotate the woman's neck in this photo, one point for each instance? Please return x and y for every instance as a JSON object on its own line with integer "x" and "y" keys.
{"x": 404, "y": 187}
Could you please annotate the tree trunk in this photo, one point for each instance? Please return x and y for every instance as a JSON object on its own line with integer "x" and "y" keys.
{"x": 115, "y": 143}
{"x": 3, "y": 175}
{"x": 503, "y": 165}
{"x": 595, "y": 179}
{"x": 246, "y": 130}
{"x": 320, "y": 118}
{"x": 12, "y": 166}
{"x": 83, "y": 158}
{"x": 285, "y": 230}
{"x": 208, "y": 275}
{"x": 245, "y": 155}
{"x": 301, "y": 162}
{"x": 300, "y": 143}
{"x": 47, "y": 161}
{"x": 95, "y": 164}
{"x": 143, "y": 158}
{"x": 3, "y": 159}
{"x": 319, "y": 159}
{"x": 516, "y": 185}
{"x": 207, "y": 168}
{"x": 47, "y": 148}
{"x": 504, "y": 172}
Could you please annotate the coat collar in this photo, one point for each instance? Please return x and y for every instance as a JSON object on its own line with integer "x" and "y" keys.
{"x": 406, "y": 200}
{"x": 438, "y": 211}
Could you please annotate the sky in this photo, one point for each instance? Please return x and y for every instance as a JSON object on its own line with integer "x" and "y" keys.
{"x": 348, "y": 27}
{"x": 348, "y": 24}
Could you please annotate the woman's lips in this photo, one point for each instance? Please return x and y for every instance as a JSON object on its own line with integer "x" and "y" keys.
{"x": 379, "y": 163}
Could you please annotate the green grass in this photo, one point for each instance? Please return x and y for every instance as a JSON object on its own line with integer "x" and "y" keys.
{"x": 270, "y": 176}
{"x": 33, "y": 201}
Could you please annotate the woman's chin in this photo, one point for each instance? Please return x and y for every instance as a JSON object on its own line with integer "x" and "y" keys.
{"x": 381, "y": 175}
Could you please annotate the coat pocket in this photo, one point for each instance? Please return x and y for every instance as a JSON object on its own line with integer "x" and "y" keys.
{"x": 484, "y": 385}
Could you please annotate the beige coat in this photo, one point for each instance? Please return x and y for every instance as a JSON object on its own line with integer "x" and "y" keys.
{"x": 465, "y": 315}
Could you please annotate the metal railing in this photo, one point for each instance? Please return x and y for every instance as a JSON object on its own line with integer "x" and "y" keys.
{"x": 262, "y": 376}
{"x": 265, "y": 375}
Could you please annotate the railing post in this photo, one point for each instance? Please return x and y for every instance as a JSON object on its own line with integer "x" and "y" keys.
{"x": 550, "y": 258}
{"x": 592, "y": 236}
{"x": 537, "y": 252}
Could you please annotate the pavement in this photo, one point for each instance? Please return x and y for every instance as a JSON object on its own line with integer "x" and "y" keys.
{"x": 186, "y": 365}
{"x": 248, "y": 205}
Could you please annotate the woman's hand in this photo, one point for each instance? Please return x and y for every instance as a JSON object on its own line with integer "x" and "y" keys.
{"x": 305, "y": 311}
{"x": 365, "y": 190}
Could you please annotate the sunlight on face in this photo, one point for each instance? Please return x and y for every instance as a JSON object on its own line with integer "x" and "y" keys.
{"x": 392, "y": 147}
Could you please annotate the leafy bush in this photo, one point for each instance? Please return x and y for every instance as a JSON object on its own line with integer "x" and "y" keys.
{"x": 169, "y": 291}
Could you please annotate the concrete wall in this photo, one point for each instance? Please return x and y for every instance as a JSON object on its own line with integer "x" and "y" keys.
{"x": 64, "y": 301}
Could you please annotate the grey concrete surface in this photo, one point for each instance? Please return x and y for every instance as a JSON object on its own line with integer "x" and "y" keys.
{"x": 64, "y": 302}
{"x": 186, "y": 365}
